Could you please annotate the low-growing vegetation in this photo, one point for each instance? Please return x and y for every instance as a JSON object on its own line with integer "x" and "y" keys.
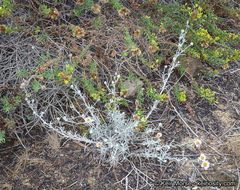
{"x": 148, "y": 89}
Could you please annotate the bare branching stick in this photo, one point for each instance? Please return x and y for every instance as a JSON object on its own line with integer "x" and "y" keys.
{"x": 174, "y": 64}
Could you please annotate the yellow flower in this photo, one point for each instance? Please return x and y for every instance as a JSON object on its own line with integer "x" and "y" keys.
{"x": 66, "y": 81}
{"x": 69, "y": 67}
{"x": 60, "y": 74}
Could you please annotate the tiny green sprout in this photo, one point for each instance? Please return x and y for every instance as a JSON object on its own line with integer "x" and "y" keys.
{"x": 45, "y": 10}
{"x": 69, "y": 68}
{"x": 215, "y": 72}
{"x": 97, "y": 22}
{"x": 208, "y": 94}
{"x": 37, "y": 31}
{"x": 125, "y": 54}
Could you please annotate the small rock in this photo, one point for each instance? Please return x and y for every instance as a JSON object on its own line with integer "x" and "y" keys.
{"x": 132, "y": 86}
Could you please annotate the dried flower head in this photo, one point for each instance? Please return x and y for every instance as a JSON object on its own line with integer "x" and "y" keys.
{"x": 40, "y": 77}
{"x": 136, "y": 51}
{"x": 43, "y": 87}
{"x": 123, "y": 93}
{"x": 197, "y": 143}
{"x": 136, "y": 117}
{"x": 3, "y": 29}
{"x": 78, "y": 32}
{"x": 139, "y": 127}
{"x": 136, "y": 5}
{"x": 162, "y": 29}
{"x": 204, "y": 44}
{"x": 202, "y": 157}
{"x": 53, "y": 14}
{"x": 113, "y": 53}
{"x": 88, "y": 120}
{"x": 108, "y": 106}
{"x": 96, "y": 9}
{"x": 123, "y": 12}
{"x": 205, "y": 164}
{"x": 99, "y": 144}
{"x": 137, "y": 33}
{"x": 79, "y": 2}
{"x": 159, "y": 134}
{"x": 75, "y": 58}
{"x": 153, "y": 49}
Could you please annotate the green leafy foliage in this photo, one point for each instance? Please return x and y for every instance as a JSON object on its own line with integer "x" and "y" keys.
{"x": 36, "y": 85}
{"x": 48, "y": 74}
{"x": 17, "y": 99}
{"x": 180, "y": 95}
{"x": 9, "y": 123}
{"x": 128, "y": 40}
{"x": 22, "y": 73}
{"x": 7, "y": 107}
{"x": 116, "y": 4}
{"x": 97, "y": 22}
{"x": 44, "y": 9}
{"x": 210, "y": 41}
{"x": 6, "y": 8}
{"x": 2, "y": 137}
{"x": 85, "y": 7}
{"x": 152, "y": 92}
{"x": 206, "y": 93}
